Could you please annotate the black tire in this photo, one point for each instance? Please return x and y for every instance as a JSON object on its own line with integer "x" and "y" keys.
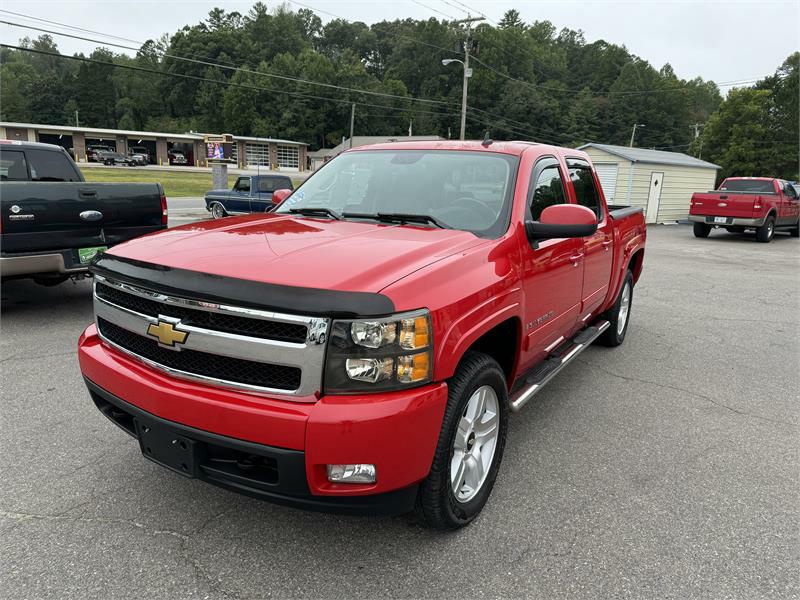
{"x": 766, "y": 231}
{"x": 701, "y": 230}
{"x": 614, "y": 336}
{"x": 437, "y": 506}
{"x": 795, "y": 231}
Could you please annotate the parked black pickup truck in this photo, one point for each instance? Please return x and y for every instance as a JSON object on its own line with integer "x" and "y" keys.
{"x": 53, "y": 222}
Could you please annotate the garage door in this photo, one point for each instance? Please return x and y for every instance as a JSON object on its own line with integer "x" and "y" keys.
{"x": 607, "y": 174}
{"x": 289, "y": 158}
{"x": 256, "y": 154}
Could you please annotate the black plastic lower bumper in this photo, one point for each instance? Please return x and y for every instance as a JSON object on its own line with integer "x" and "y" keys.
{"x": 274, "y": 474}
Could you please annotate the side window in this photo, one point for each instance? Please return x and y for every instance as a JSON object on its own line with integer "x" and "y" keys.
{"x": 585, "y": 190}
{"x": 790, "y": 191}
{"x": 47, "y": 165}
{"x": 12, "y": 166}
{"x": 547, "y": 191}
{"x": 243, "y": 184}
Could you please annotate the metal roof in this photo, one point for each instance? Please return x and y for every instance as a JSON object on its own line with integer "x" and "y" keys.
{"x": 98, "y": 131}
{"x": 643, "y": 155}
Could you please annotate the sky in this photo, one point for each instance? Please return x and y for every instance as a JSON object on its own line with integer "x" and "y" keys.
{"x": 723, "y": 40}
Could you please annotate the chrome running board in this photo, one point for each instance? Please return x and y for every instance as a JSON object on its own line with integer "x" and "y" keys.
{"x": 555, "y": 362}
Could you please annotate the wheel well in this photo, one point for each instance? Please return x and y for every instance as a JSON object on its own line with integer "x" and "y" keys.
{"x": 501, "y": 343}
{"x": 635, "y": 264}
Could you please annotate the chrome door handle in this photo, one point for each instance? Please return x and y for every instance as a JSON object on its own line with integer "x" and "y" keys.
{"x": 575, "y": 258}
{"x": 606, "y": 245}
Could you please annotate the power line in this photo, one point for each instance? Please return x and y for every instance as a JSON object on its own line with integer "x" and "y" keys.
{"x": 215, "y": 81}
{"x": 451, "y": 17}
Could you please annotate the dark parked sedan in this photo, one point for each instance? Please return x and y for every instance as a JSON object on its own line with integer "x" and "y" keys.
{"x": 114, "y": 158}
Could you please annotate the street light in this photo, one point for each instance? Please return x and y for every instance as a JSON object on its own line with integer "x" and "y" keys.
{"x": 467, "y": 75}
{"x": 633, "y": 133}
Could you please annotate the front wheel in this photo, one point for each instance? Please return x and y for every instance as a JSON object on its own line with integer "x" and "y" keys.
{"x": 619, "y": 315}
{"x": 218, "y": 211}
{"x": 701, "y": 230}
{"x": 766, "y": 231}
{"x": 470, "y": 446}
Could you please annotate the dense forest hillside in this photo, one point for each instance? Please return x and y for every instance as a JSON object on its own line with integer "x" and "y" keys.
{"x": 282, "y": 73}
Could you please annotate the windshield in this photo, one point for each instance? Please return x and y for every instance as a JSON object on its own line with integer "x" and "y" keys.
{"x": 470, "y": 191}
{"x": 756, "y": 186}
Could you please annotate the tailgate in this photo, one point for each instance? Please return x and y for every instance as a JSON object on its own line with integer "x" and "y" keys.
{"x": 40, "y": 216}
{"x": 725, "y": 204}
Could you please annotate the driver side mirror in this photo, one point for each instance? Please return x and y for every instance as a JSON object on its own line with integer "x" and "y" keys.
{"x": 278, "y": 196}
{"x": 562, "y": 221}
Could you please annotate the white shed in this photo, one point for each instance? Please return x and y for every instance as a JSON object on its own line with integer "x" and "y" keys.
{"x": 662, "y": 183}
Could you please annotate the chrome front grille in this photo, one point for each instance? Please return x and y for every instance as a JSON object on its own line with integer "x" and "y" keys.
{"x": 228, "y": 346}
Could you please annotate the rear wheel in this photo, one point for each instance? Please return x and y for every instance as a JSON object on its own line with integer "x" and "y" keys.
{"x": 470, "y": 446}
{"x": 701, "y": 230}
{"x": 619, "y": 314}
{"x": 218, "y": 211}
{"x": 766, "y": 231}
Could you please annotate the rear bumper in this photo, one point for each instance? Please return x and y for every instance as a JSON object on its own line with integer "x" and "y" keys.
{"x": 397, "y": 432}
{"x": 36, "y": 263}
{"x": 730, "y": 221}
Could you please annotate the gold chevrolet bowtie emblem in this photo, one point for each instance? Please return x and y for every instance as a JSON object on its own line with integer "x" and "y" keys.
{"x": 167, "y": 334}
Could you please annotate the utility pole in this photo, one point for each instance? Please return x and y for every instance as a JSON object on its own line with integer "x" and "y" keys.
{"x": 467, "y": 71}
{"x": 411, "y": 128}
{"x": 697, "y": 127}
{"x": 76, "y": 118}
{"x": 352, "y": 122}
{"x": 633, "y": 133}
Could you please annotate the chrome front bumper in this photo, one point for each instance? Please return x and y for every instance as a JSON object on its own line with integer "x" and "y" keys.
{"x": 731, "y": 221}
{"x": 32, "y": 264}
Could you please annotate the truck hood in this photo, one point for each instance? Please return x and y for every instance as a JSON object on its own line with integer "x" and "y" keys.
{"x": 298, "y": 251}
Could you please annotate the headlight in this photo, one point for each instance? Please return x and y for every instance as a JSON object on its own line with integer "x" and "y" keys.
{"x": 372, "y": 355}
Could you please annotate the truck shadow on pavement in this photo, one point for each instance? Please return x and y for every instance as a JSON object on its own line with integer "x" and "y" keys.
{"x": 23, "y": 296}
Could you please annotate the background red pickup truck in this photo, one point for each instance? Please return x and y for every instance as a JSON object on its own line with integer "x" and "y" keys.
{"x": 361, "y": 348}
{"x": 743, "y": 203}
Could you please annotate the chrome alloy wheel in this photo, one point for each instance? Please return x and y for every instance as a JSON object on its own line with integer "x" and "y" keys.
{"x": 217, "y": 210}
{"x": 624, "y": 308}
{"x": 474, "y": 444}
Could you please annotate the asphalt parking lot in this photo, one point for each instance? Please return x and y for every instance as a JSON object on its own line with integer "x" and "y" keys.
{"x": 665, "y": 468}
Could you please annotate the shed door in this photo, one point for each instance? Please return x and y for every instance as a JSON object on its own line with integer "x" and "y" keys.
{"x": 607, "y": 174}
{"x": 654, "y": 197}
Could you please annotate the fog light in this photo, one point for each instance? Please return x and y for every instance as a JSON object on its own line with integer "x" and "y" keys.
{"x": 351, "y": 473}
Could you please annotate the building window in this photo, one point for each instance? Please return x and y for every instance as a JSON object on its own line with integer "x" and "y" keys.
{"x": 288, "y": 157}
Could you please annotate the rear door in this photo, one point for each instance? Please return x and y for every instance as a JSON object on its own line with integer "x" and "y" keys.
{"x": 552, "y": 269}
{"x": 597, "y": 248}
{"x": 790, "y": 205}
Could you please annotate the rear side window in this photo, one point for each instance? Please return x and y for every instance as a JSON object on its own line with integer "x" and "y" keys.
{"x": 585, "y": 190}
{"x": 270, "y": 184}
{"x": 47, "y": 165}
{"x": 547, "y": 191}
{"x": 12, "y": 166}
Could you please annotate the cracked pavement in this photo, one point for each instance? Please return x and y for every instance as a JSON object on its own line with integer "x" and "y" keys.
{"x": 667, "y": 467}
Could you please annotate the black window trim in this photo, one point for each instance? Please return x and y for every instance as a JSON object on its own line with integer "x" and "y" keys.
{"x": 542, "y": 163}
{"x": 576, "y": 162}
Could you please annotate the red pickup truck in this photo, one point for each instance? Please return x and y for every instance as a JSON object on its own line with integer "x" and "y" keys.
{"x": 360, "y": 348}
{"x": 743, "y": 203}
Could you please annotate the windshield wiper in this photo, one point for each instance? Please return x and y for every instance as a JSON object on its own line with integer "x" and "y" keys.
{"x": 399, "y": 218}
{"x": 313, "y": 211}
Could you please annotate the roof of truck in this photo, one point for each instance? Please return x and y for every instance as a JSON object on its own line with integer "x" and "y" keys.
{"x": 513, "y": 147}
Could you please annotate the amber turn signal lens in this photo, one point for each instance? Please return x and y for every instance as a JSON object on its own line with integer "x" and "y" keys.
{"x": 413, "y": 368}
{"x": 414, "y": 333}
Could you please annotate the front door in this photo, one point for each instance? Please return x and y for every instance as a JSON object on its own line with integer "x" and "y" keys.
{"x": 654, "y": 197}
{"x": 239, "y": 201}
{"x": 597, "y": 248}
{"x": 552, "y": 271}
